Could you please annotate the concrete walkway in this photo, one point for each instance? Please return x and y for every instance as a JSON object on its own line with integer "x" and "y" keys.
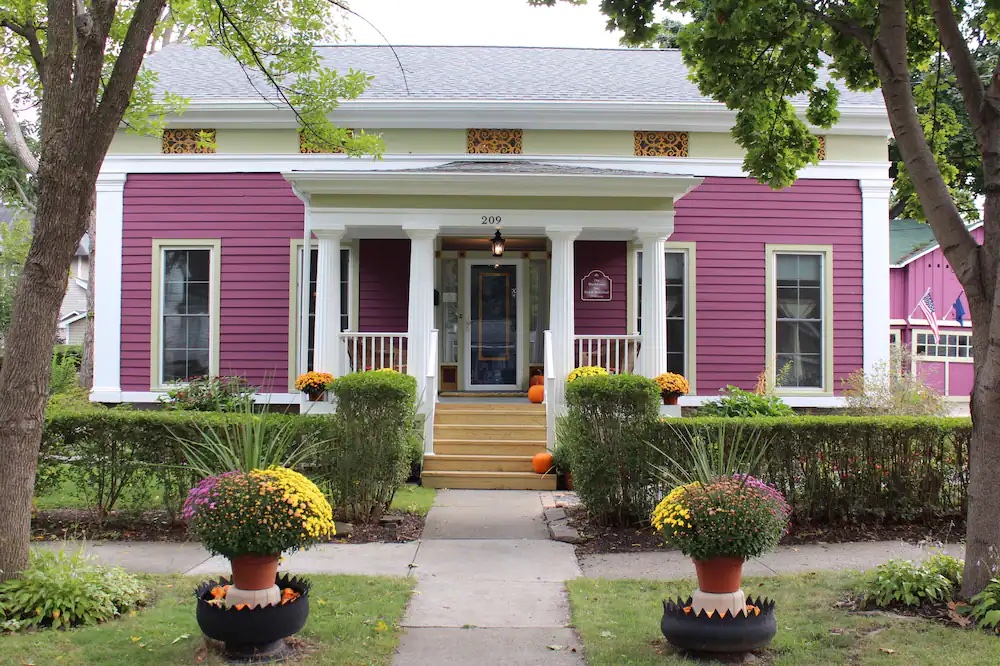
{"x": 489, "y": 585}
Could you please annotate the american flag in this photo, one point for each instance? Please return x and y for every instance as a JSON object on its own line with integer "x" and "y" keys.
{"x": 926, "y": 306}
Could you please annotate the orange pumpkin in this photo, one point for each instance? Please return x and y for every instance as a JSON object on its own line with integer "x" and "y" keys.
{"x": 537, "y": 380}
{"x": 536, "y": 393}
{"x": 542, "y": 462}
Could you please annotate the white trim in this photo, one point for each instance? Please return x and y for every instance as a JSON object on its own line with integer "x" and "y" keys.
{"x": 687, "y": 116}
{"x": 875, "y": 260}
{"x": 519, "y": 347}
{"x": 154, "y": 396}
{"x": 821, "y": 401}
{"x": 270, "y": 163}
{"x": 930, "y": 248}
{"x": 924, "y": 358}
{"x": 912, "y": 323}
{"x": 110, "y": 213}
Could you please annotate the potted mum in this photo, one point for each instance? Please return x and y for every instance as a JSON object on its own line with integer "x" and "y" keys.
{"x": 672, "y": 386}
{"x": 251, "y": 518}
{"x": 314, "y": 384}
{"x": 587, "y": 371}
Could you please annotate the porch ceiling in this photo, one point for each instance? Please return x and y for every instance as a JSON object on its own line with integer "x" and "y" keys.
{"x": 493, "y": 177}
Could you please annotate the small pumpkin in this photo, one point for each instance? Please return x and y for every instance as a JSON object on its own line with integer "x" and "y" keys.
{"x": 537, "y": 380}
{"x": 542, "y": 462}
{"x": 536, "y": 393}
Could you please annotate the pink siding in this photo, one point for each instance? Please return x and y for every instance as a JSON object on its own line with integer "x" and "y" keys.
{"x": 961, "y": 379}
{"x": 909, "y": 283}
{"x": 255, "y": 216}
{"x": 384, "y": 285}
{"x": 602, "y": 317}
{"x": 732, "y": 219}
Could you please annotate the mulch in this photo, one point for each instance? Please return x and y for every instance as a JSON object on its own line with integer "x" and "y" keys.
{"x": 601, "y": 539}
{"x": 61, "y": 524}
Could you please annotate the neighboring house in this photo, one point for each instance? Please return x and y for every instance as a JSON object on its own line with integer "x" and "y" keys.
{"x": 587, "y": 161}
{"x": 73, "y": 313}
{"x": 918, "y": 265}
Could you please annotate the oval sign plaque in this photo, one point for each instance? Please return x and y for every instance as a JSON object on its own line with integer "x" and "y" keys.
{"x": 595, "y": 286}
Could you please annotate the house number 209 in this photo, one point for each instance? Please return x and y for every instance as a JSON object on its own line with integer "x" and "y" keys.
{"x": 491, "y": 219}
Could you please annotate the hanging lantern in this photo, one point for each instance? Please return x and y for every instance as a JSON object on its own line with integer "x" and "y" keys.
{"x": 497, "y": 244}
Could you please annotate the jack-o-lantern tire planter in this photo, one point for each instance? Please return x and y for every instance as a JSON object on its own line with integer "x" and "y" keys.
{"x": 542, "y": 462}
{"x": 536, "y": 394}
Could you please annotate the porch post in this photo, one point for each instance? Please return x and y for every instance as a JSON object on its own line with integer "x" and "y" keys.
{"x": 327, "y": 354}
{"x": 420, "y": 313}
{"x": 562, "y": 313}
{"x": 653, "y": 352}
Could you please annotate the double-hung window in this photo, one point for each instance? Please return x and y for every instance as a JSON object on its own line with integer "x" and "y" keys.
{"x": 679, "y": 268}
{"x": 186, "y": 298}
{"x": 345, "y": 301}
{"x": 800, "y": 317}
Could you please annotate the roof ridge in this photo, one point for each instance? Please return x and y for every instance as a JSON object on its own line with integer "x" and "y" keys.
{"x": 618, "y": 49}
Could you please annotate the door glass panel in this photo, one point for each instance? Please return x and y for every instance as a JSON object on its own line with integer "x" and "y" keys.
{"x": 539, "y": 277}
{"x": 449, "y": 311}
{"x": 493, "y": 330}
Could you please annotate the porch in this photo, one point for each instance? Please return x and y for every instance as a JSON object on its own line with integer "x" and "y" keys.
{"x": 440, "y": 300}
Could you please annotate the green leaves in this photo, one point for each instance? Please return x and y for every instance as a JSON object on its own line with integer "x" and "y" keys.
{"x": 901, "y": 582}
{"x": 986, "y": 606}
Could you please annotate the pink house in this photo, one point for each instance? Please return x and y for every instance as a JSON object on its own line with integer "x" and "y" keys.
{"x": 919, "y": 268}
{"x": 506, "y": 232}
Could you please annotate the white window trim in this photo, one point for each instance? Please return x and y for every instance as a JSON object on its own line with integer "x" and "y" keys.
{"x": 295, "y": 308}
{"x": 160, "y": 245}
{"x": 923, "y": 358}
{"x": 689, "y": 250}
{"x": 772, "y": 251}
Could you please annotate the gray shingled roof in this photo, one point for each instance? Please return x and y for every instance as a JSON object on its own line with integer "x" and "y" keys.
{"x": 463, "y": 72}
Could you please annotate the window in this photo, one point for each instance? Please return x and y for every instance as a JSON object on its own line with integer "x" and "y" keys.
{"x": 679, "y": 295}
{"x": 345, "y": 302}
{"x": 186, "y": 289}
{"x": 952, "y": 346}
{"x": 800, "y": 336}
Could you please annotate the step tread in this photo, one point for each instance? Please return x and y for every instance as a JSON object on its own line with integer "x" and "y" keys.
{"x": 478, "y": 456}
{"x": 480, "y": 474}
{"x": 489, "y": 442}
{"x": 492, "y": 426}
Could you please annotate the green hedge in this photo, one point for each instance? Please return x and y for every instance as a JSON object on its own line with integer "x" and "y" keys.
{"x": 843, "y": 468}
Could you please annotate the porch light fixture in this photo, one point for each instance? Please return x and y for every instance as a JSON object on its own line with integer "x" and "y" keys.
{"x": 497, "y": 244}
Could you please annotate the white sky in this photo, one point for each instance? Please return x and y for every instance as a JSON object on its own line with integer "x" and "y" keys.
{"x": 480, "y": 22}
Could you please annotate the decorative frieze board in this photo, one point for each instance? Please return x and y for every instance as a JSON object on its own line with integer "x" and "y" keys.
{"x": 822, "y": 147}
{"x": 188, "y": 141}
{"x": 493, "y": 141}
{"x": 660, "y": 144}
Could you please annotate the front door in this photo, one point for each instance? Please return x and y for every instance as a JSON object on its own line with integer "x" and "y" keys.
{"x": 492, "y": 326}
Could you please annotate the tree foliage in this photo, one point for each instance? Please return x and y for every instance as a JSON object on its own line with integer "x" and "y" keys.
{"x": 15, "y": 239}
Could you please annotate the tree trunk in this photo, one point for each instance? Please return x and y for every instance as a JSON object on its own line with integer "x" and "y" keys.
{"x": 87, "y": 358}
{"x": 24, "y": 378}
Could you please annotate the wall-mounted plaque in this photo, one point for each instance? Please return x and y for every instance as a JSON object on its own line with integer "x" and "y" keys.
{"x": 595, "y": 286}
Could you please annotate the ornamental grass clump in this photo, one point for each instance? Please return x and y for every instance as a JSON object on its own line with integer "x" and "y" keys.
{"x": 587, "y": 371}
{"x": 261, "y": 512}
{"x": 735, "y": 516}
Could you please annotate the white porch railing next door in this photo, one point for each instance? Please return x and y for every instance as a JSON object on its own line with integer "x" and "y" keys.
{"x": 373, "y": 351}
{"x": 615, "y": 353}
{"x": 550, "y": 387}
{"x": 430, "y": 391}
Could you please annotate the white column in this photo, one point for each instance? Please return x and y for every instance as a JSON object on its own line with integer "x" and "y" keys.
{"x": 653, "y": 352}
{"x": 327, "y": 346}
{"x": 420, "y": 313}
{"x": 108, "y": 285}
{"x": 875, "y": 267}
{"x": 562, "y": 311}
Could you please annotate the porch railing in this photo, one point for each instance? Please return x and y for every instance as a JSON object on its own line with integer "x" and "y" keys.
{"x": 373, "y": 351}
{"x": 430, "y": 391}
{"x": 615, "y": 353}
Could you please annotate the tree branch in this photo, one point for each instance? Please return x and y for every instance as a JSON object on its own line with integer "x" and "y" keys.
{"x": 27, "y": 31}
{"x": 28, "y": 203}
{"x": 118, "y": 91}
{"x": 13, "y": 136}
{"x": 964, "y": 65}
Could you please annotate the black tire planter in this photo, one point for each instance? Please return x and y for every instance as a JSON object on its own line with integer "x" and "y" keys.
{"x": 254, "y": 635}
{"x": 701, "y": 633}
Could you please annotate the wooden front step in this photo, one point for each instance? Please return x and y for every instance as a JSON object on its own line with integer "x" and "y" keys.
{"x": 490, "y": 433}
{"x": 512, "y": 406}
{"x": 481, "y": 463}
{"x": 492, "y": 417}
{"x": 467, "y": 447}
{"x": 489, "y": 480}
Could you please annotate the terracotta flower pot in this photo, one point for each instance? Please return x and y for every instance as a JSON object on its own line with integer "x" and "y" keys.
{"x": 254, "y": 572}
{"x": 670, "y": 398}
{"x": 720, "y": 575}
{"x": 316, "y": 396}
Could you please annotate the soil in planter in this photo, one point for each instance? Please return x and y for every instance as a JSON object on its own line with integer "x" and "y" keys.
{"x": 60, "y": 524}
{"x": 602, "y": 539}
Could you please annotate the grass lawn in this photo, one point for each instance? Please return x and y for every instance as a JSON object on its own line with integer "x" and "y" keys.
{"x": 413, "y": 499}
{"x": 353, "y": 620}
{"x": 619, "y": 622}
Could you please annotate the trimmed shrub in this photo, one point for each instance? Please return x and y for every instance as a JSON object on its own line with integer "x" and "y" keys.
{"x": 607, "y": 427}
{"x": 843, "y": 468}
{"x": 370, "y": 459}
{"x": 67, "y": 590}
